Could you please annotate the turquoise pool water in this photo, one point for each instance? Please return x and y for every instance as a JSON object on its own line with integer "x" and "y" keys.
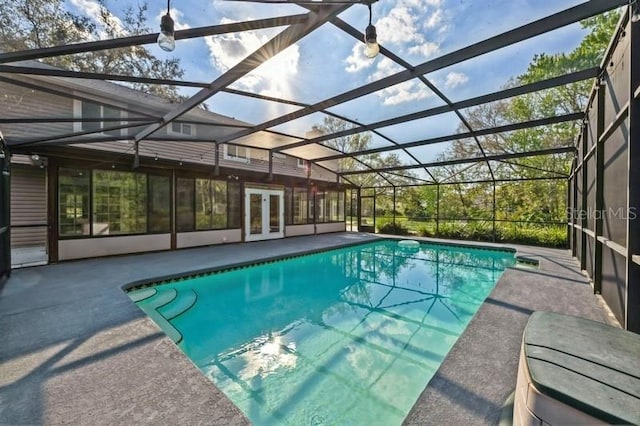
{"x": 345, "y": 337}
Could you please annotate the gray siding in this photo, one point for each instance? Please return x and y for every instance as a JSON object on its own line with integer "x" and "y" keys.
{"x": 20, "y": 102}
{"x": 28, "y": 206}
{"x": 17, "y": 101}
{"x": 192, "y": 152}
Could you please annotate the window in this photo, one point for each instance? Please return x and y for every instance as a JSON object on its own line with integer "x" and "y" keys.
{"x": 302, "y": 163}
{"x": 236, "y": 153}
{"x": 111, "y": 117}
{"x": 109, "y": 202}
{"x": 211, "y": 204}
{"x": 322, "y": 208}
{"x": 330, "y": 206}
{"x": 311, "y": 208}
{"x": 299, "y": 205}
{"x": 219, "y": 214}
{"x": 180, "y": 128}
{"x": 288, "y": 206}
{"x": 333, "y": 206}
{"x": 119, "y": 203}
{"x": 159, "y": 204}
{"x": 185, "y": 204}
{"x": 296, "y": 206}
{"x": 234, "y": 203}
{"x": 73, "y": 202}
{"x": 203, "y": 204}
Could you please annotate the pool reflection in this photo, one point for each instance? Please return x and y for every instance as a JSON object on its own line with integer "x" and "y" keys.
{"x": 350, "y": 336}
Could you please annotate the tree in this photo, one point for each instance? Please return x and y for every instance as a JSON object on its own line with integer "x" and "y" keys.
{"x": 418, "y": 203}
{"x": 531, "y": 200}
{"x": 355, "y": 143}
{"x": 34, "y": 24}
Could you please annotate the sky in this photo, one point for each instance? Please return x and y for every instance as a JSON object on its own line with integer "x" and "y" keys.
{"x": 329, "y": 61}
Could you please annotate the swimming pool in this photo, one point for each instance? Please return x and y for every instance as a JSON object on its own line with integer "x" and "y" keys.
{"x": 347, "y": 336}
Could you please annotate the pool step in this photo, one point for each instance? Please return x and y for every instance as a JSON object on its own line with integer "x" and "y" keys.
{"x": 165, "y": 326}
{"x": 142, "y": 294}
{"x": 181, "y": 304}
{"x": 163, "y": 297}
{"x": 165, "y": 304}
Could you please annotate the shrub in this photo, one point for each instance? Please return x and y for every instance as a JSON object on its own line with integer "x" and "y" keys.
{"x": 388, "y": 227}
{"x": 529, "y": 234}
{"x": 427, "y": 231}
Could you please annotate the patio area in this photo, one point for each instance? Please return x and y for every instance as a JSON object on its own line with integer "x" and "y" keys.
{"x": 77, "y": 350}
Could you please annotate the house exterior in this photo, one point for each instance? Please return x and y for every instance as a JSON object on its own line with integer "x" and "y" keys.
{"x": 94, "y": 191}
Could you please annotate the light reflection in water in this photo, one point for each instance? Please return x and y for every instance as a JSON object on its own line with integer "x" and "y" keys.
{"x": 350, "y": 336}
{"x": 270, "y": 353}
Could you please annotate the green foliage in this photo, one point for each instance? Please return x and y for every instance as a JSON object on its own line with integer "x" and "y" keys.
{"x": 354, "y": 143}
{"x": 417, "y": 202}
{"x": 532, "y": 200}
{"x": 34, "y": 24}
{"x": 388, "y": 227}
{"x": 528, "y": 234}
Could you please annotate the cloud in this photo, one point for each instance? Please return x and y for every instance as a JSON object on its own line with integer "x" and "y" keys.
{"x": 357, "y": 60}
{"x": 434, "y": 20}
{"x": 93, "y": 10}
{"x": 408, "y": 30}
{"x": 399, "y": 26}
{"x": 426, "y": 49}
{"x": 385, "y": 67}
{"x": 177, "y": 16}
{"x": 455, "y": 79}
{"x": 407, "y": 91}
{"x": 270, "y": 78}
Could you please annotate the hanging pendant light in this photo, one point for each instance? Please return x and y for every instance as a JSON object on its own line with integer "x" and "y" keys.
{"x": 635, "y": 11}
{"x": 371, "y": 47}
{"x": 166, "y": 39}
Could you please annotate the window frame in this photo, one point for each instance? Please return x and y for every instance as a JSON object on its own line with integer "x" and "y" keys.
{"x": 232, "y": 157}
{"x": 115, "y": 208}
{"x": 303, "y": 206}
{"x": 171, "y": 131}
{"x": 85, "y": 219}
{"x": 233, "y": 189}
{"x": 79, "y": 126}
{"x": 91, "y": 208}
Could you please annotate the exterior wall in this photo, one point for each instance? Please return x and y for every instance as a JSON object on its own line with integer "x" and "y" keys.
{"x": 205, "y": 238}
{"x": 108, "y": 246}
{"x": 203, "y": 153}
{"x": 193, "y": 159}
{"x": 322, "y": 228}
{"x": 5, "y": 213}
{"x": 318, "y": 173}
{"x": 28, "y": 206}
{"x": 20, "y": 102}
{"x": 296, "y": 230}
{"x": 605, "y": 181}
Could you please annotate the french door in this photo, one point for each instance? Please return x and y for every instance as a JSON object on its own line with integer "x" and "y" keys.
{"x": 264, "y": 214}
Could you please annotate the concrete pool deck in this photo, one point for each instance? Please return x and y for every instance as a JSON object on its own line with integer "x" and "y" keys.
{"x": 76, "y": 350}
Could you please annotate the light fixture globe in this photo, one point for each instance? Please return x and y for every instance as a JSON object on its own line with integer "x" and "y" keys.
{"x": 371, "y": 48}
{"x": 166, "y": 39}
{"x": 635, "y": 13}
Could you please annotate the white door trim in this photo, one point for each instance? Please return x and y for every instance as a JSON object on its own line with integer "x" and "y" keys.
{"x": 266, "y": 233}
